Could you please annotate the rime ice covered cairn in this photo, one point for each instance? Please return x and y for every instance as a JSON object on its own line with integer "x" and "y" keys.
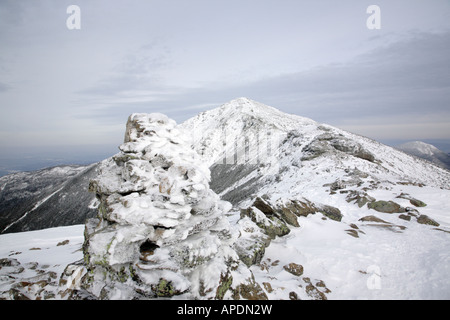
{"x": 160, "y": 231}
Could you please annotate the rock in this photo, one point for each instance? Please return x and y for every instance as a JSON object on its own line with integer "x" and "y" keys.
{"x": 415, "y": 202}
{"x": 327, "y": 143}
{"x": 256, "y": 232}
{"x": 287, "y": 210}
{"x": 289, "y": 216}
{"x": 165, "y": 289}
{"x": 268, "y": 287}
{"x": 405, "y": 217}
{"x": 439, "y": 229}
{"x": 359, "y": 197}
{"x": 353, "y": 233}
{"x": 412, "y": 212}
{"x": 424, "y": 219}
{"x": 266, "y": 221}
{"x": 160, "y": 230}
{"x": 379, "y": 223}
{"x": 294, "y": 268}
{"x": 224, "y": 285}
{"x": 372, "y": 219}
{"x": 252, "y": 242}
{"x": 337, "y": 185}
{"x": 315, "y": 149}
{"x": 271, "y": 225}
{"x": 302, "y": 208}
{"x": 62, "y": 243}
{"x": 365, "y": 155}
{"x": 11, "y": 266}
{"x": 331, "y": 212}
{"x": 7, "y": 262}
{"x": 264, "y": 206}
{"x": 293, "y": 296}
{"x": 321, "y": 284}
{"x": 386, "y": 206}
{"x": 250, "y": 290}
{"x": 315, "y": 293}
{"x": 282, "y": 212}
{"x": 290, "y": 209}
{"x": 352, "y": 148}
{"x": 15, "y": 294}
{"x": 250, "y": 252}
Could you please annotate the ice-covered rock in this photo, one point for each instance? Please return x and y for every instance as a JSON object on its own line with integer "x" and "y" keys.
{"x": 160, "y": 231}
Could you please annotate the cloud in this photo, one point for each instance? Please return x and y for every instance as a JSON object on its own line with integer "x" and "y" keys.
{"x": 3, "y": 87}
{"x": 405, "y": 82}
{"x": 137, "y": 71}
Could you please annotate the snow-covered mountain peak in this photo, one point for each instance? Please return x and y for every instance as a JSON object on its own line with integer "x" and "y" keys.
{"x": 426, "y": 151}
{"x": 246, "y": 106}
{"x": 217, "y": 130}
{"x": 224, "y": 135}
{"x": 419, "y": 146}
{"x": 248, "y": 113}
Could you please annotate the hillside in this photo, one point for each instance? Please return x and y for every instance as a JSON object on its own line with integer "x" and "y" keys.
{"x": 46, "y": 198}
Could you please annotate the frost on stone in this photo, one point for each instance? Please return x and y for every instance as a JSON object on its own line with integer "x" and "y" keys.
{"x": 160, "y": 230}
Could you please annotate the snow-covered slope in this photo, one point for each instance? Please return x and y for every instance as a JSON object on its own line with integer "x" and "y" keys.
{"x": 327, "y": 166}
{"x": 32, "y": 262}
{"x": 426, "y": 151}
{"x": 318, "y": 212}
{"x": 216, "y": 131}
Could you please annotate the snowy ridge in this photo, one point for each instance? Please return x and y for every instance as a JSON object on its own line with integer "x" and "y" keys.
{"x": 243, "y": 117}
{"x": 328, "y": 166}
{"x": 226, "y": 124}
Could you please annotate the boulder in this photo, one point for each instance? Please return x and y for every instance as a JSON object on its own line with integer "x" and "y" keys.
{"x": 279, "y": 210}
{"x": 372, "y": 219}
{"x": 299, "y": 207}
{"x": 271, "y": 225}
{"x": 386, "y": 206}
{"x": 352, "y": 148}
{"x": 359, "y": 197}
{"x": 263, "y": 206}
{"x": 405, "y": 217}
{"x": 380, "y": 223}
{"x": 424, "y": 219}
{"x": 294, "y": 268}
{"x": 331, "y": 212}
{"x": 415, "y": 202}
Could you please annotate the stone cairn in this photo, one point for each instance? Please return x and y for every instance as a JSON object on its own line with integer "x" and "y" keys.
{"x": 160, "y": 230}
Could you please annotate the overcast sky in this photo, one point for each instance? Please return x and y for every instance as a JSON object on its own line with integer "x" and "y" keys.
{"x": 314, "y": 58}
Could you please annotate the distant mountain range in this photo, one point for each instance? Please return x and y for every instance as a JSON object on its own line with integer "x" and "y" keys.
{"x": 426, "y": 151}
